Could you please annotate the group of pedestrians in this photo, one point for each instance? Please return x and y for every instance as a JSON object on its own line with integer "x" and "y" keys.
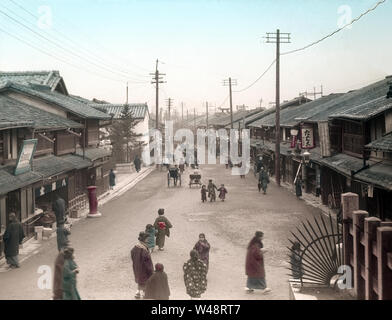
{"x": 151, "y": 285}
{"x": 65, "y": 268}
{"x": 152, "y": 281}
{"x": 210, "y": 190}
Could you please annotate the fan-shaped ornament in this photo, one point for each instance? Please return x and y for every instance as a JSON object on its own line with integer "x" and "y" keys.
{"x": 316, "y": 253}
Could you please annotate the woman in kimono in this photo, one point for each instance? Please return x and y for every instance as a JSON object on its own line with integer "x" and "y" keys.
{"x": 162, "y": 225}
{"x": 70, "y": 270}
{"x": 254, "y": 265}
{"x": 157, "y": 286}
{"x": 222, "y": 192}
{"x": 195, "y": 276}
{"x": 203, "y": 249}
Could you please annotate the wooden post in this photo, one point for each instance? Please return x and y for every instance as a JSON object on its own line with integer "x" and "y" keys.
{"x": 384, "y": 246}
{"x": 359, "y": 259}
{"x": 371, "y": 225}
{"x": 350, "y": 203}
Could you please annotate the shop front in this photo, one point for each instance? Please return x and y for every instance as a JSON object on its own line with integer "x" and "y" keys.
{"x": 46, "y": 191}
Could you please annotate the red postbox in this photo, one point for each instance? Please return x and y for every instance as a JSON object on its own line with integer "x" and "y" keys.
{"x": 93, "y": 202}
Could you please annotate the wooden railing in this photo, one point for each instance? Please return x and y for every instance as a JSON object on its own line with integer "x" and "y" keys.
{"x": 367, "y": 243}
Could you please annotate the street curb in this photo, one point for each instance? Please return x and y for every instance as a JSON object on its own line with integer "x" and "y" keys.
{"x": 84, "y": 214}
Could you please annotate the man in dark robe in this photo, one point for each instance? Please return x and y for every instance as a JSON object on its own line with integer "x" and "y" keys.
{"x": 298, "y": 187}
{"x": 59, "y": 210}
{"x": 137, "y": 163}
{"x": 157, "y": 287}
{"x": 211, "y": 187}
{"x": 12, "y": 238}
{"x": 112, "y": 179}
{"x": 141, "y": 263}
{"x": 263, "y": 180}
{"x": 162, "y": 225}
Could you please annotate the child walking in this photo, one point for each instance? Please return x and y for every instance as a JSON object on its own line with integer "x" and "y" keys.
{"x": 203, "y": 193}
{"x": 222, "y": 192}
{"x": 150, "y": 230}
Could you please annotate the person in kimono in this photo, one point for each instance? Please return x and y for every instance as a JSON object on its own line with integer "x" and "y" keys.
{"x": 162, "y": 225}
{"x": 295, "y": 261}
{"x": 112, "y": 179}
{"x": 151, "y": 231}
{"x": 222, "y": 192}
{"x": 298, "y": 187}
{"x": 70, "y": 270}
{"x": 211, "y": 190}
{"x": 137, "y": 163}
{"x": 195, "y": 276}
{"x": 13, "y": 237}
{"x": 203, "y": 193}
{"x": 58, "y": 276}
{"x": 141, "y": 264}
{"x": 203, "y": 249}
{"x": 263, "y": 180}
{"x": 254, "y": 265}
{"x": 157, "y": 286}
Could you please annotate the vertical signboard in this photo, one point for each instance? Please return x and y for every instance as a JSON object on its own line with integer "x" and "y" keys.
{"x": 307, "y": 137}
{"x": 26, "y": 153}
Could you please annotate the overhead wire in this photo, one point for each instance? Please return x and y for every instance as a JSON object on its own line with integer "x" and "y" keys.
{"x": 77, "y": 45}
{"x": 64, "y": 48}
{"x": 315, "y": 42}
{"x": 88, "y": 37}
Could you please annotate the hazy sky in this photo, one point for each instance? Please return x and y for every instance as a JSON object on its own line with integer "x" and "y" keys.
{"x": 199, "y": 42}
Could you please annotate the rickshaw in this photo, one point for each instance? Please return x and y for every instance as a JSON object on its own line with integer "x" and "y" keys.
{"x": 195, "y": 178}
{"x": 175, "y": 174}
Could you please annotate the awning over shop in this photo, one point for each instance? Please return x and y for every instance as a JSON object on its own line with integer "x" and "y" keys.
{"x": 379, "y": 174}
{"x": 9, "y": 182}
{"x": 342, "y": 163}
{"x": 94, "y": 153}
{"x": 51, "y": 165}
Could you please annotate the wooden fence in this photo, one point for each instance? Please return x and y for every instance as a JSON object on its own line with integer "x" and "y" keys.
{"x": 367, "y": 243}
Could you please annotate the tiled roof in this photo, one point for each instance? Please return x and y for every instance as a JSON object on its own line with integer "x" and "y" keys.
{"x": 382, "y": 144}
{"x": 67, "y": 103}
{"x": 226, "y": 119}
{"x": 6, "y": 124}
{"x": 19, "y": 112}
{"x": 80, "y": 99}
{"x": 48, "y": 78}
{"x": 94, "y": 153}
{"x": 254, "y": 120}
{"x": 285, "y": 148}
{"x": 139, "y": 110}
{"x": 77, "y": 161}
{"x": 9, "y": 182}
{"x": 51, "y": 165}
{"x": 342, "y": 163}
{"x": 379, "y": 174}
{"x": 44, "y": 167}
{"x": 364, "y": 103}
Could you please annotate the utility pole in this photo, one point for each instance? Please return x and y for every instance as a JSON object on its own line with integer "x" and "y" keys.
{"x": 127, "y": 94}
{"x": 314, "y": 93}
{"x": 182, "y": 113}
{"x": 230, "y": 82}
{"x": 277, "y": 38}
{"x": 169, "y": 104}
{"x": 157, "y": 80}
{"x": 194, "y": 119}
{"x": 207, "y": 115}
